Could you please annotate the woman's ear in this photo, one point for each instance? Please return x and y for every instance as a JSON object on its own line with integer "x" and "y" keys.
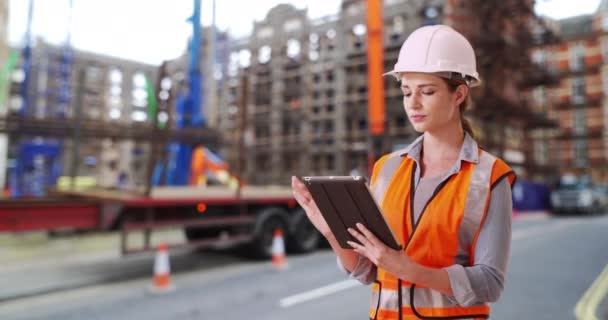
{"x": 461, "y": 94}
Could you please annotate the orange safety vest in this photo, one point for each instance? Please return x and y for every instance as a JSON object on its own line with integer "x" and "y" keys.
{"x": 446, "y": 232}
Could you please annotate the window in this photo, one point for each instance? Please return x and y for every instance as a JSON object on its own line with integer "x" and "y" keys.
{"x": 541, "y": 152}
{"x": 292, "y": 25}
{"x": 316, "y": 129}
{"x": 244, "y": 58}
{"x": 577, "y": 56}
{"x": 331, "y": 162}
{"x": 293, "y": 48}
{"x": 579, "y": 125}
{"x": 580, "y": 153}
{"x": 540, "y": 98}
{"x": 233, "y": 64}
{"x": 94, "y": 73}
{"x": 359, "y": 30}
{"x": 265, "y": 33}
{"x": 539, "y": 57}
{"x": 397, "y": 28}
{"x": 264, "y": 54}
{"x": 313, "y": 52}
{"x": 115, "y": 76}
{"x": 316, "y": 163}
{"x": 362, "y": 124}
{"x": 578, "y": 90}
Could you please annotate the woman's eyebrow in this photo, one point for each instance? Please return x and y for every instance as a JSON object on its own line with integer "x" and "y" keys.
{"x": 420, "y": 86}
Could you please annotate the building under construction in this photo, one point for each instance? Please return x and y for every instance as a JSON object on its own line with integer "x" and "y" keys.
{"x": 307, "y": 94}
{"x": 578, "y": 98}
{"x": 100, "y": 93}
{"x": 290, "y": 99}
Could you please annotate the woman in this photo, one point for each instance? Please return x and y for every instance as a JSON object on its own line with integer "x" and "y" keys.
{"x": 446, "y": 200}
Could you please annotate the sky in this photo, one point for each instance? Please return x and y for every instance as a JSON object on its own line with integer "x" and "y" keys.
{"x": 151, "y": 31}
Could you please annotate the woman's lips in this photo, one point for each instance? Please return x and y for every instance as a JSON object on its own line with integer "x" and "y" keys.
{"x": 417, "y": 118}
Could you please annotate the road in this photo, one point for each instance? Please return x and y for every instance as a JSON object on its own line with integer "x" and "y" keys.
{"x": 553, "y": 262}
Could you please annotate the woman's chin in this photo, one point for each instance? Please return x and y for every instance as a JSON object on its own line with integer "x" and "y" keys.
{"x": 420, "y": 128}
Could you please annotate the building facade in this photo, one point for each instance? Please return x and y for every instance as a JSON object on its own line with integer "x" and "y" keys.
{"x": 95, "y": 91}
{"x": 306, "y": 83}
{"x": 579, "y": 99}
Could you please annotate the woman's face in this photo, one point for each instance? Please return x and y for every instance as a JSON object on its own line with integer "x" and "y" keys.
{"x": 428, "y": 102}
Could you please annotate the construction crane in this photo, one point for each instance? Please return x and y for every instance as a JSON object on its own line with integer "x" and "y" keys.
{"x": 375, "y": 65}
{"x": 188, "y": 108}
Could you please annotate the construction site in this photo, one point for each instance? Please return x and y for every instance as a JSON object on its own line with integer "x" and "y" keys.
{"x": 233, "y": 119}
{"x": 305, "y": 109}
{"x": 178, "y": 161}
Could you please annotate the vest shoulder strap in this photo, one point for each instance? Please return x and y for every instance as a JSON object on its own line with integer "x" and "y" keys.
{"x": 501, "y": 171}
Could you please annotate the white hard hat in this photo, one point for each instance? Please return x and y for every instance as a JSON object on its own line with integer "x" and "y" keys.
{"x": 438, "y": 49}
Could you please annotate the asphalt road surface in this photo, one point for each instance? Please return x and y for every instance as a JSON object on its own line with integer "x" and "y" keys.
{"x": 553, "y": 262}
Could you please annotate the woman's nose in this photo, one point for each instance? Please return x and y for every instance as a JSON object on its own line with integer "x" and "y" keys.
{"x": 413, "y": 102}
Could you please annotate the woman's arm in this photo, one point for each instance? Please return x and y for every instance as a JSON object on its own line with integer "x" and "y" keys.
{"x": 484, "y": 281}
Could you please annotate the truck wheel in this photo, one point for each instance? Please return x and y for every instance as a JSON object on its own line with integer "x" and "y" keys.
{"x": 267, "y": 222}
{"x": 303, "y": 237}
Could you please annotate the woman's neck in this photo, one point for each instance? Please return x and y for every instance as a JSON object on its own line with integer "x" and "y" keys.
{"x": 442, "y": 147}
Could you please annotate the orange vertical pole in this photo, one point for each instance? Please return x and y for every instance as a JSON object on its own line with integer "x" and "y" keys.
{"x": 375, "y": 66}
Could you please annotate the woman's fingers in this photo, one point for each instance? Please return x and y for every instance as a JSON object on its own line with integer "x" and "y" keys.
{"x": 357, "y": 247}
{"x": 301, "y": 192}
{"x": 303, "y": 201}
{"x": 369, "y": 236}
{"x": 299, "y": 187}
{"x": 364, "y": 241}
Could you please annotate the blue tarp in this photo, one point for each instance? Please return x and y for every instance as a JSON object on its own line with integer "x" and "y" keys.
{"x": 531, "y": 196}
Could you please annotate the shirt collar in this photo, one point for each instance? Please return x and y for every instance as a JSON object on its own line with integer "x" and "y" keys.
{"x": 468, "y": 151}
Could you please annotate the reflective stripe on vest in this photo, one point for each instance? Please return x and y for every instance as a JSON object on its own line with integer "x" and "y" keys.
{"x": 438, "y": 240}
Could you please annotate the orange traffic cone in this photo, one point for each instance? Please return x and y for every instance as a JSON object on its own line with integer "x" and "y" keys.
{"x": 162, "y": 271}
{"x": 278, "y": 250}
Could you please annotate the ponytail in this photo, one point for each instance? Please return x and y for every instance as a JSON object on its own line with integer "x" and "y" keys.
{"x": 466, "y": 124}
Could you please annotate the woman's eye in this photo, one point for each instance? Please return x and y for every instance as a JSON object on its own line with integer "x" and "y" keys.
{"x": 429, "y": 93}
{"x": 407, "y": 94}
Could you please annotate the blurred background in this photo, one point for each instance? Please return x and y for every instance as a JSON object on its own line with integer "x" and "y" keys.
{"x": 140, "y": 138}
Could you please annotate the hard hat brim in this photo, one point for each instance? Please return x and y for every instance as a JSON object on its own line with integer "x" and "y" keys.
{"x": 474, "y": 82}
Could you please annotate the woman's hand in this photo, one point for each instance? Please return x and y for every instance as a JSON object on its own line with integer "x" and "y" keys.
{"x": 310, "y": 207}
{"x": 396, "y": 262}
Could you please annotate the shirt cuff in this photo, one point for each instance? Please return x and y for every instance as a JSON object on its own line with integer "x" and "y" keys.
{"x": 461, "y": 285}
{"x": 363, "y": 272}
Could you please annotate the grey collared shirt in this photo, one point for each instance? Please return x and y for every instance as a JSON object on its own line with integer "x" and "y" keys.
{"x": 484, "y": 280}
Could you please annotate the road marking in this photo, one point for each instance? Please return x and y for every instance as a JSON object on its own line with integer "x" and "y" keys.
{"x": 533, "y": 216}
{"x": 586, "y": 307}
{"x": 533, "y": 231}
{"x": 319, "y": 292}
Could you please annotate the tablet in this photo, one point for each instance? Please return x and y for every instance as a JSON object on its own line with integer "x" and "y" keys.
{"x": 346, "y": 200}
